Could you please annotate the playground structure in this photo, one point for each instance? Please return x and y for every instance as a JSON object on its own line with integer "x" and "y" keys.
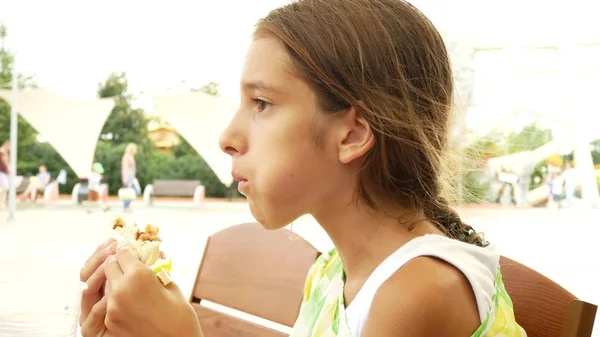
{"x": 522, "y": 165}
{"x": 565, "y": 91}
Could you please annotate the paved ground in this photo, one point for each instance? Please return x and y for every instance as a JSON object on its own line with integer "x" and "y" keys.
{"x": 48, "y": 241}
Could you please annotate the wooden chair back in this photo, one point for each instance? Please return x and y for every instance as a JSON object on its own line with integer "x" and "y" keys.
{"x": 542, "y": 307}
{"x": 255, "y": 271}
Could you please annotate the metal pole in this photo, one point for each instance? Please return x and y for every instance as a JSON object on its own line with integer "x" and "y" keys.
{"x": 12, "y": 194}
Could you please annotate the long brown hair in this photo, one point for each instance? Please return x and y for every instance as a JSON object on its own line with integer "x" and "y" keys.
{"x": 387, "y": 60}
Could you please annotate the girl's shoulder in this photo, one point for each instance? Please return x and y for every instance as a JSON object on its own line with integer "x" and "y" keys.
{"x": 412, "y": 299}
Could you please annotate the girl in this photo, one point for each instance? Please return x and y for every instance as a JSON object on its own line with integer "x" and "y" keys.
{"x": 96, "y": 192}
{"x": 128, "y": 172}
{"x": 344, "y": 115}
{"x": 37, "y": 184}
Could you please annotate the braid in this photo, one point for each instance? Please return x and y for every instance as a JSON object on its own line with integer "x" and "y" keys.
{"x": 448, "y": 221}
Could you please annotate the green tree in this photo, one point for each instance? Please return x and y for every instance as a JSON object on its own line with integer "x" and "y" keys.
{"x": 7, "y": 60}
{"x": 183, "y": 149}
{"x": 596, "y": 151}
{"x": 116, "y": 85}
{"x": 124, "y": 124}
{"x": 528, "y": 139}
{"x": 27, "y": 135}
{"x": 475, "y": 183}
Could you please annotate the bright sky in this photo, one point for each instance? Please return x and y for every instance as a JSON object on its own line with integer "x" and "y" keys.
{"x": 71, "y": 45}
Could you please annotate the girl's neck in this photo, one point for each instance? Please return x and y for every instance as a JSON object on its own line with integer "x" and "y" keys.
{"x": 364, "y": 238}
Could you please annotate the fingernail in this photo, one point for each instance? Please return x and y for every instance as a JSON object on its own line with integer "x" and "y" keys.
{"x": 107, "y": 242}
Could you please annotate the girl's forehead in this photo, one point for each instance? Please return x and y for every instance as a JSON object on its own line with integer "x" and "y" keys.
{"x": 266, "y": 61}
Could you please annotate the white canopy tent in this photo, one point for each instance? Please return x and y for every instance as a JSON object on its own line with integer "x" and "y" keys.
{"x": 71, "y": 126}
{"x": 200, "y": 118}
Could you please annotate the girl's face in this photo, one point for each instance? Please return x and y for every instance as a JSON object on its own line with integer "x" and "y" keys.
{"x": 271, "y": 140}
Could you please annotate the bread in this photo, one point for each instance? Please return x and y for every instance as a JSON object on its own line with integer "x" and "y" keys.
{"x": 146, "y": 245}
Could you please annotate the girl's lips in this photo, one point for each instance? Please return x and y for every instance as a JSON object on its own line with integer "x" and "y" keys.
{"x": 238, "y": 177}
{"x": 242, "y": 182}
{"x": 243, "y": 186}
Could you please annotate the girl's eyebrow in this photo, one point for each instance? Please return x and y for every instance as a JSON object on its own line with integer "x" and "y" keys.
{"x": 262, "y": 86}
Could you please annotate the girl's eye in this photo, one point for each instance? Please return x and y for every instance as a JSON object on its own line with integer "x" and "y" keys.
{"x": 261, "y": 105}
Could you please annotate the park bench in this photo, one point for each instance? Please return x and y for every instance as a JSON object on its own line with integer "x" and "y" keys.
{"x": 51, "y": 190}
{"x": 262, "y": 273}
{"x": 174, "y": 188}
{"x": 24, "y": 183}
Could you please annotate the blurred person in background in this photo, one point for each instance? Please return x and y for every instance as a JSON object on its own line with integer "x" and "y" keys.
{"x": 37, "y": 184}
{"x": 508, "y": 178}
{"x": 4, "y": 173}
{"x": 525, "y": 176}
{"x": 557, "y": 189}
{"x": 95, "y": 188}
{"x": 128, "y": 172}
{"x": 571, "y": 182}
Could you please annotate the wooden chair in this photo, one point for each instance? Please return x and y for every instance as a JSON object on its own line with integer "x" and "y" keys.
{"x": 542, "y": 307}
{"x": 256, "y": 271}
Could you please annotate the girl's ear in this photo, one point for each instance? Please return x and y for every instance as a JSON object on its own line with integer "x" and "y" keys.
{"x": 355, "y": 136}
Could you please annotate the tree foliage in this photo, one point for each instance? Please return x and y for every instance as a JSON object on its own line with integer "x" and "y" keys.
{"x": 7, "y": 63}
{"x": 475, "y": 182}
{"x": 124, "y": 124}
{"x": 128, "y": 125}
{"x": 528, "y": 139}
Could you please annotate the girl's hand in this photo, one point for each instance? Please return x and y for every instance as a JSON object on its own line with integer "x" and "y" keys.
{"x": 139, "y": 305}
{"x": 93, "y": 275}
